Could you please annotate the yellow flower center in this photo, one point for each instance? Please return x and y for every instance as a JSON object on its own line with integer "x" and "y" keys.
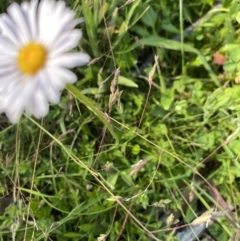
{"x": 31, "y": 58}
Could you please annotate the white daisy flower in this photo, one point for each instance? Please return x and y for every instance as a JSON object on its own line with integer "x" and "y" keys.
{"x": 35, "y": 40}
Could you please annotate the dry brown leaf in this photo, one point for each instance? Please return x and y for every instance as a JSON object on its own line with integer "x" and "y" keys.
{"x": 138, "y": 167}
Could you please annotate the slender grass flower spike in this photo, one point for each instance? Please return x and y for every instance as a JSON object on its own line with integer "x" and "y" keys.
{"x": 36, "y": 39}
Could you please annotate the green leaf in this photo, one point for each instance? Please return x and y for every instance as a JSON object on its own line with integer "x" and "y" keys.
{"x": 112, "y": 180}
{"x": 126, "y": 178}
{"x": 222, "y": 99}
{"x": 86, "y": 227}
{"x": 167, "y": 99}
{"x": 82, "y": 98}
{"x": 92, "y": 27}
{"x": 234, "y": 145}
{"x": 92, "y": 91}
{"x": 150, "y": 18}
{"x": 127, "y": 82}
{"x": 235, "y": 55}
{"x": 168, "y": 26}
{"x": 71, "y": 235}
{"x": 159, "y": 42}
{"x": 207, "y": 140}
{"x": 170, "y": 219}
{"x": 230, "y": 67}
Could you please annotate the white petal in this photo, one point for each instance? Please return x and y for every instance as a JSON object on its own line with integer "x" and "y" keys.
{"x": 52, "y": 93}
{"x": 78, "y": 21}
{"x": 39, "y": 104}
{"x": 7, "y": 47}
{"x": 19, "y": 97}
{"x": 66, "y": 42}
{"x": 8, "y": 81}
{"x": 6, "y": 72}
{"x": 21, "y": 22}
{"x": 62, "y": 76}
{"x": 2, "y": 101}
{"x": 54, "y": 19}
{"x": 7, "y": 61}
{"x": 67, "y": 75}
{"x": 15, "y": 101}
{"x": 67, "y": 20}
{"x": 9, "y": 30}
{"x": 70, "y": 60}
{"x": 57, "y": 81}
{"x": 65, "y": 16}
{"x": 46, "y": 22}
{"x": 14, "y": 114}
{"x": 30, "y": 10}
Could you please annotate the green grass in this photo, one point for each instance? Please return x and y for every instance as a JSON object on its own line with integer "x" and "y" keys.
{"x": 139, "y": 143}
